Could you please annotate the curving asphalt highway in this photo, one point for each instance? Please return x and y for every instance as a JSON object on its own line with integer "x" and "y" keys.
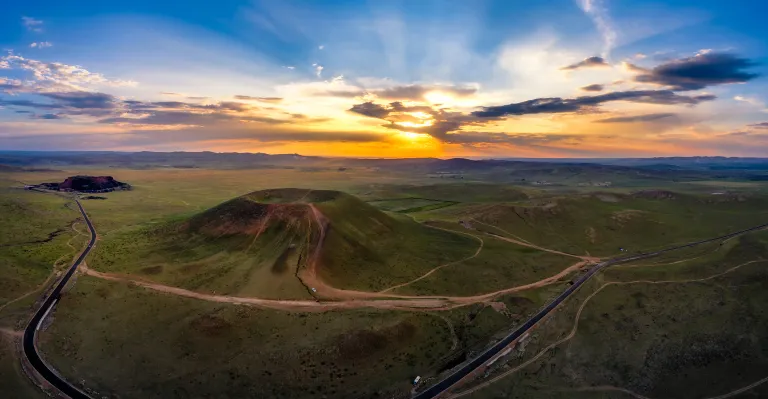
{"x": 28, "y": 342}
{"x": 467, "y": 368}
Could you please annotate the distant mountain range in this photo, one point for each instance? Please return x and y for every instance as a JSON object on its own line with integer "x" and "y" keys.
{"x": 509, "y": 169}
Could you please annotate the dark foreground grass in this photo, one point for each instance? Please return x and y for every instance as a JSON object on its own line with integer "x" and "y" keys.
{"x": 178, "y": 347}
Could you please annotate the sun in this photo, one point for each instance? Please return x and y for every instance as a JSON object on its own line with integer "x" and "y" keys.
{"x": 411, "y": 136}
{"x": 438, "y": 97}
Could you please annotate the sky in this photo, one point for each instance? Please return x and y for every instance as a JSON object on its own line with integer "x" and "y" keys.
{"x": 426, "y": 78}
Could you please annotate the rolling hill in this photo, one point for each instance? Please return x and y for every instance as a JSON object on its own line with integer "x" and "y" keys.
{"x": 270, "y": 243}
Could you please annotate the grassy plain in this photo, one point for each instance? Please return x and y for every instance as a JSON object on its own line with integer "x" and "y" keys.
{"x": 177, "y": 347}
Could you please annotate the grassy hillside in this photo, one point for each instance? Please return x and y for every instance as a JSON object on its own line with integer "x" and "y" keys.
{"x": 602, "y": 223}
{"x": 255, "y": 245}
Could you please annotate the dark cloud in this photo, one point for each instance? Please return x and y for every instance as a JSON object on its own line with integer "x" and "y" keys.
{"x": 197, "y": 98}
{"x": 761, "y": 125}
{"x": 590, "y": 62}
{"x": 594, "y": 87}
{"x": 83, "y": 99}
{"x": 408, "y": 92}
{"x": 737, "y": 134}
{"x": 441, "y": 122}
{"x": 371, "y": 109}
{"x": 48, "y": 116}
{"x": 262, "y": 99}
{"x": 700, "y": 71}
{"x": 23, "y": 112}
{"x": 579, "y": 104}
{"x": 181, "y": 117}
{"x": 28, "y": 104}
{"x": 417, "y": 92}
{"x": 636, "y": 118}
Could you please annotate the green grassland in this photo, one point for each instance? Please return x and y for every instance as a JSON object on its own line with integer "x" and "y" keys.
{"x": 174, "y": 227}
{"x": 36, "y": 229}
{"x": 684, "y": 339}
{"x": 35, "y": 235}
{"x": 178, "y": 347}
{"x": 600, "y": 224}
{"x": 497, "y": 266}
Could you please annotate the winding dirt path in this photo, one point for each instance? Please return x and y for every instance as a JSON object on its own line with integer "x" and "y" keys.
{"x": 427, "y": 274}
{"x": 353, "y": 299}
{"x": 502, "y": 230}
{"x": 526, "y": 244}
{"x": 335, "y": 298}
{"x": 575, "y": 328}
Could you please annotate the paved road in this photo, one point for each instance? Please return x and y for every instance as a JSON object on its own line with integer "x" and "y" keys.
{"x": 28, "y": 344}
{"x": 468, "y": 367}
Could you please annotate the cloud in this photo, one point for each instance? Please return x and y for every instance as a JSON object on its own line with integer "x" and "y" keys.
{"x": 591, "y": 62}
{"x": 636, "y": 118}
{"x": 10, "y": 84}
{"x": 320, "y": 47}
{"x": 414, "y": 92}
{"x": 33, "y": 25}
{"x": 262, "y": 99}
{"x": 71, "y": 103}
{"x": 416, "y": 118}
{"x": 417, "y": 92}
{"x": 371, "y": 109}
{"x": 558, "y": 105}
{"x": 83, "y": 100}
{"x": 197, "y": 98}
{"x": 318, "y": 70}
{"x": 41, "y": 44}
{"x": 697, "y": 72}
{"x": 598, "y": 12}
{"x": 593, "y": 87}
{"x": 761, "y": 125}
{"x": 48, "y": 116}
{"x": 56, "y": 76}
{"x": 752, "y": 101}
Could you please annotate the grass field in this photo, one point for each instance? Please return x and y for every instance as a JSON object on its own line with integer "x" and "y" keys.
{"x": 601, "y": 224}
{"x": 681, "y": 339}
{"x": 181, "y": 347}
{"x": 174, "y": 227}
{"x": 36, "y": 237}
{"x": 498, "y": 265}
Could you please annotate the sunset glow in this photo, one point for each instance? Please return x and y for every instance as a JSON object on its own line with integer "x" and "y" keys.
{"x": 464, "y": 81}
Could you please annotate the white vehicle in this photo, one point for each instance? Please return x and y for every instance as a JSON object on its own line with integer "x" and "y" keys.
{"x": 314, "y": 289}
{"x": 416, "y": 380}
